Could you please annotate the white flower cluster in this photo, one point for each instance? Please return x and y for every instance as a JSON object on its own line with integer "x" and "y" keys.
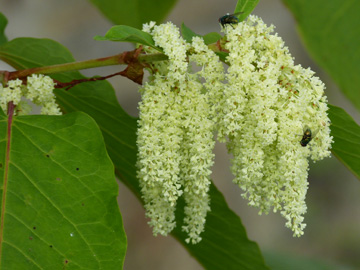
{"x": 175, "y": 139}
{"x": 10, "y": 93}
{"x": 39, "y": 90}
{"x": 270, "y": 102}
{"x": 271, "y": 113}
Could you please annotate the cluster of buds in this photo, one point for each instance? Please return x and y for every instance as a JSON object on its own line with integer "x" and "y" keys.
{"x": 269, "y": 111}
{"x": 39, "y": 90}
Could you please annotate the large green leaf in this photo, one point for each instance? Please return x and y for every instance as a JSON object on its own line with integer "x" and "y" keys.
{"x": 3, "y": 23}
{"x": 225, "y": 241}
{"x": 346, "y": 133}
{"x": 331, "y": 32}
{"x": 58, "y": 207}
{"x": 135, "y": 12}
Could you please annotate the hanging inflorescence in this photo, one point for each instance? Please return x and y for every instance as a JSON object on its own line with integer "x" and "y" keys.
{"x": 269, "y": 111}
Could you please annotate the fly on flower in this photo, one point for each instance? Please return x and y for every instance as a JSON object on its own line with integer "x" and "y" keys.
{"x": 229, "y": 19}
{"x": 307, "y": 136}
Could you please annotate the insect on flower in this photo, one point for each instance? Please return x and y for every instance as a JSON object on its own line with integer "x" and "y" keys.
{"x": 229, "y": 19}
{"x": 307, "y": 136}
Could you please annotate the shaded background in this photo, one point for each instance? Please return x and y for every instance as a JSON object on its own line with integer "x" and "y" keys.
{"x": 333, "y": 200}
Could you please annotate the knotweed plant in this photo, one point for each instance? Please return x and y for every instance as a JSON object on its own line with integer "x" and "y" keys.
{"x": 270, "y": 113}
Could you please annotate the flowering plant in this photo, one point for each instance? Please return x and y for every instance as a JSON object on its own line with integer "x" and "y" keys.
{"x": 240, "y": 87}
{"x": 264, "y": 103}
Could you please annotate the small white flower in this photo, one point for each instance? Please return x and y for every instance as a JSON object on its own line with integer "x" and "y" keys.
{"x": 147, "y": 27}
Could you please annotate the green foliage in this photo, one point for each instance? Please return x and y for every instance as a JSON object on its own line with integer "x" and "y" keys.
{"x": 3, "y": 23}
{"x": 187, "y": 33}
{"x": 209, "y": 38}
{"x": 135, "y": 12}
{"x": 59, "y": 192}
{"x": 346, "y": 134}
{"x": 331, "y": 32}
{"x": 23, "y": 53}
{"x": 126, "y": 33}
{"x": 245, "y": 6}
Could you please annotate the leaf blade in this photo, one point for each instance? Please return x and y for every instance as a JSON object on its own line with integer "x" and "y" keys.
{"x": 188, "y": 34}
{"x": 330, "y": 31}
{"x": 124, "y": 33}
{"x": 346, "y": 133}
{"x": 245, "y": 6}
{"x": 60, "y": 194}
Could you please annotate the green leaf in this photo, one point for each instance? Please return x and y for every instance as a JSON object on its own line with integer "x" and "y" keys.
{"x": 3, "y": 23}
{"x": 24, "y": 53}
{"x": 209, "y": 38}
{"x": 187, "y": 33}
{"x": 136, "y": 12}
{"x": 331, "y": 33}
{"x": 126, "y": 33}
{"x": 225, "y": 240}
{"x": 346, "y": 133}
{"x": 58, "y": 207}
{"x": 222, "y": 56}
{"x": 245, "y": 6}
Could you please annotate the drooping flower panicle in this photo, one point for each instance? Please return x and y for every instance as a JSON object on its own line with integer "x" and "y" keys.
{"x": 175, "y": 139}
{"x": 279, "y": 100}
{"x": 260, "y": 107}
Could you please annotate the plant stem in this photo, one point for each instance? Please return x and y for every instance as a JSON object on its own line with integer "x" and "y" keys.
{"x": 119, "y": 59}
